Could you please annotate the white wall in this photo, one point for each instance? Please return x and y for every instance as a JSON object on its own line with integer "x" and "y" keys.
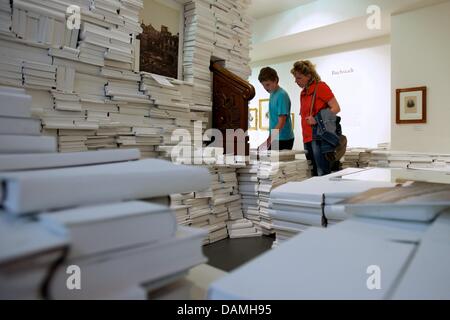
{"x": 157, "y": 13}
{"x": 421, "y": 57}
{"x": 364, "y": 94}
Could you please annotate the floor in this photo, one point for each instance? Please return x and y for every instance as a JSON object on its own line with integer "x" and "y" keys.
{"x": 229, "y": 254}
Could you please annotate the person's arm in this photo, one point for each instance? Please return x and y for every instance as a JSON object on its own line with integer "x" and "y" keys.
{"x": 273, "y": 135}
{"x": 334, "y": 106}
{"x": 280, "y": 125}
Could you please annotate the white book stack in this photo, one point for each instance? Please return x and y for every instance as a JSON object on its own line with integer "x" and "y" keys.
{"x": 248, "y": 188}
{"x": 379, "y": 158}
{"x": 232, "y": 36}
{"x": 39, "y": 75}
{"x": 404, "y": 159}
{"x": 11, "y": 70}
{"x": 242, "y": 228}
{"x": 297, "y": 206}
{"x": 305, "y": 261}
{"x": 129, "y": 10}
{"x": 198, "y": 45}
{"x": 19, "y": 132}
{"x": 217, "y": 232}
{"x": 356, "y": 158}
{"x": 39, "y": 23}
{"x": 5, "y": 15}
{"x": 27, "y": 250}
{"x": 135, "y": 235}
{"x": 181, "y": 211}
{"x": 275, "y": 169}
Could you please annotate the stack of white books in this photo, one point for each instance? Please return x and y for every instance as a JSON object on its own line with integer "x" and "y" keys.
{"x": 242, "y": 228}
{"x": 19, "y": 132}
{"x": 407, "y": 245}
{"x": 39, "y": 23}
{"x": 248, "y": 188}
{"x": 232, "y": 37}
{"x": 351, "y": 158}
{"x": 70, "y": 225}
{"x": 404, "y": 159}
{"x": 11, "y": 69}
{"x": 298, "y": 206}
{"x": 5, "y": 15}
{"x": 129, "y": 11}
{"x": 181, "y": 210}
{"x": 198, "y": 46}
{"x": 275, "y": 169}
{"x": 39, "y": 75}
{"x": 379, "y": 158}
{"x": 306, "y": 259}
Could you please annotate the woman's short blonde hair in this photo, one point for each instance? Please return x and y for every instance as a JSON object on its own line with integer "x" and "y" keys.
{"x": 306, "y": 68}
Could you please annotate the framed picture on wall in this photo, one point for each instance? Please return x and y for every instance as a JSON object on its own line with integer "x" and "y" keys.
{"x": 293, "y": 120}
{"x": 253, "y": 119}
{"x": 411, "y": 105}
{"x": 161, "y": 42}
{"x": 264, "y": 114}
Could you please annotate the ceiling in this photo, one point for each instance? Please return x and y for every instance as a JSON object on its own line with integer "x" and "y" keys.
{"x": 264, "y": 8}
{"x": 344, "y": 32}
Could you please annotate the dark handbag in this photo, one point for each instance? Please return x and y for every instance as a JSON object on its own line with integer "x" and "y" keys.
{"x": 341, "y": 148}
{"x": 341, "y": 145}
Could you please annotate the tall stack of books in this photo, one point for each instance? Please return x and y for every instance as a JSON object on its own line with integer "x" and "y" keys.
{"x": 19, "y": 132}
{"x": 356, "y": 158}
{"x": 44, "y": 223}
{"x": 298, "y": 206}
{"x": 84, "y": 82}
{"x": 276, "y": 168}
{"x": 404, "y": 159}
{"x": 232, "y": 37}
{"x": 5, "y": 15}
{"x": 248, "y": 188}
{"x": 198, "y": 45}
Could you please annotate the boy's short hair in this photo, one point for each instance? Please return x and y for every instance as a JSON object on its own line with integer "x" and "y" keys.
{"x": 268, "y": 74}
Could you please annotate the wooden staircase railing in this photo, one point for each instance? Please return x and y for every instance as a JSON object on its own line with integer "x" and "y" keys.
{"x": 231, "y": 95}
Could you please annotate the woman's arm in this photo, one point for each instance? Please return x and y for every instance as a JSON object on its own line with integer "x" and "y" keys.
{"x": 334, "y": 106}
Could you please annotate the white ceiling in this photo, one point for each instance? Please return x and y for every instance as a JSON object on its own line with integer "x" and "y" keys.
{"x": 264, "y": 8}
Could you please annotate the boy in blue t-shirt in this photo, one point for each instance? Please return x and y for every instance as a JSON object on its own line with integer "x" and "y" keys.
{"x": 280, "y": 125}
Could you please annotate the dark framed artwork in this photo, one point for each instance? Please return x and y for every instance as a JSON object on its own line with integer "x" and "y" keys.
{"x": 411, "y": 105}
{"x": 160, "y": 42}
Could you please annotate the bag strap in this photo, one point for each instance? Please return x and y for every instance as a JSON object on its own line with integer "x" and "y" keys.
{"x": 313, "y": 100}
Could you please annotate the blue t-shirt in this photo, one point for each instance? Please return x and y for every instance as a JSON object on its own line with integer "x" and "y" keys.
{"x": 280, "y": 105}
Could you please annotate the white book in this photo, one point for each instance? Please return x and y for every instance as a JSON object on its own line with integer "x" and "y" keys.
{"x": 305, "y": 273}
{"x": 58, "y": 160}
{"x": 27, "y": 250}
{"x": 98, "y": 184}
{"x": 312, "y": 190}
{"x": 98, "y": 229}
{"x": 297, "y": 217}
{"x": 104, "y": 274}
{"x": 26, "y": 144}
{"x": 14, "y": 104}
{"x": 418, "y": 201}
{"x": 20, "y": 126}
{"x": 21, "y": 238}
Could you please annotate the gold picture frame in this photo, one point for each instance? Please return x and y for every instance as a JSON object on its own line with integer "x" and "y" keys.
{"x": 253, "y": 119}
{"x": 293, "y": 120}
{"x": 264, "y": 114}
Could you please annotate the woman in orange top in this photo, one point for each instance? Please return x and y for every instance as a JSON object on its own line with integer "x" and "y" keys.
{"x": 308, "y": 79}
